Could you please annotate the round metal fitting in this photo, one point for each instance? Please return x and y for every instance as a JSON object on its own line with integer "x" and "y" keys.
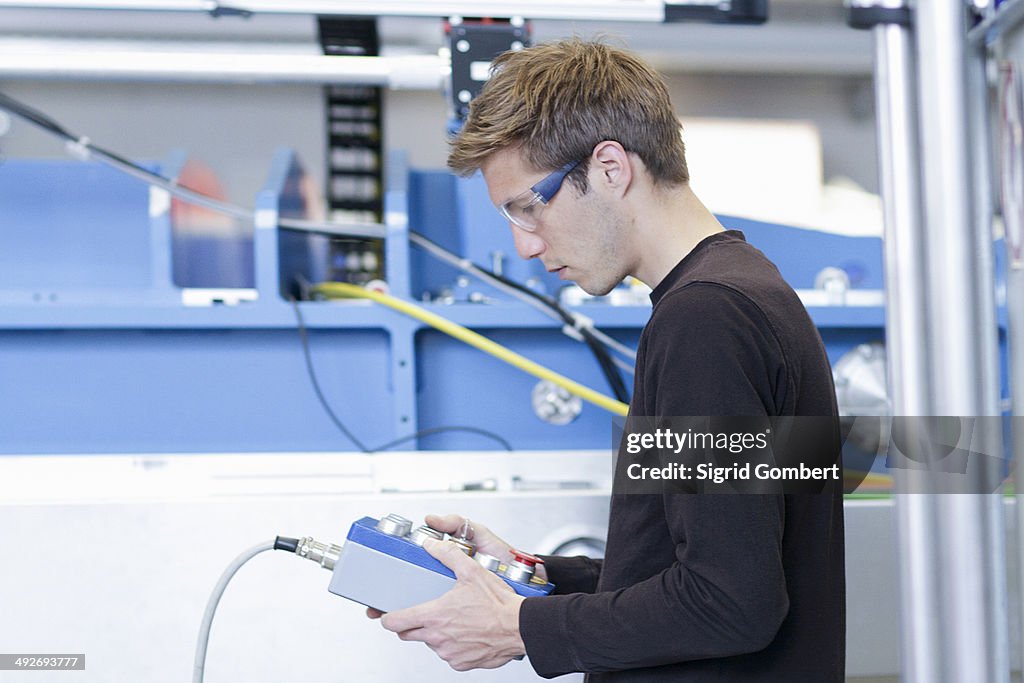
{"x": 488, "y": 562}
{"x": 831, "y": 278}
{"x": 835, "y": 282}
{"x": 519, "y": 572}
{"x": 464, "y": 545}
{"x": 555, "y": 405}
{"x": 863, "y": 397}
{"x": 395, "y": 525}
{"x": 422, "y": 533}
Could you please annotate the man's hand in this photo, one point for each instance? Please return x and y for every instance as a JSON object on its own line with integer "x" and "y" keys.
{"x": 475, "y": 625}
{"x": 486, "y": 541}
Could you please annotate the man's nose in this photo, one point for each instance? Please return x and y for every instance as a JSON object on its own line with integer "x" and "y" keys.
{"x": 528, "y": 244}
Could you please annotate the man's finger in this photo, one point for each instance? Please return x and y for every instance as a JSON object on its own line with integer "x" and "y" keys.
{"x": 451, "y": 556}
{"x": 408, "y": 618}
{"x": 374, "y": 613}
{"x": 414, "y": 634}
{"x": 447, "y": 523}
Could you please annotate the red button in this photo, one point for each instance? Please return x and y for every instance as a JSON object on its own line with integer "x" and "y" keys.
{"x": 526, "y": 558}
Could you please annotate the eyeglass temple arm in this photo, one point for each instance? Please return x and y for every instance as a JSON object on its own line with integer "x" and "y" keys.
{"x": 549, "y": 186}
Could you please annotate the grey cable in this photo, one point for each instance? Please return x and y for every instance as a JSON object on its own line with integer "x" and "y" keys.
{"x": 211, "y": 606}
{"x": 621, "y": 364}
{"x": 468, "y": 266}
{"x": 241, "y": 213}
{"x": 429, "y": 431}
{"x": 616, "y": 345}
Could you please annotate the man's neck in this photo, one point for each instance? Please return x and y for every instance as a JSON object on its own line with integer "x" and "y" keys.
{"x": 668, "y": 230}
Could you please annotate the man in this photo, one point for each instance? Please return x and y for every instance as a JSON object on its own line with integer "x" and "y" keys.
{"x": 693, "y": 587}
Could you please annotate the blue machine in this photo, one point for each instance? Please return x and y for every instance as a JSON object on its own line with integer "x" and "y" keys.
{"x": 103, "y": 354}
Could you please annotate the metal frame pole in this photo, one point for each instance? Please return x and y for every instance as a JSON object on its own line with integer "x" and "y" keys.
{"x": 989, "y": 39}
{"x": 572, "y": 10}
{"x": 895, "y": 93}
{"x": 941, "y": 329}
{"x": 1015, "y": 313}
{"x": 982, "y": 190}
{"x": 1012, "y": 209}
{"x": 115, "y": 60}
{"x": 971, "y": 641}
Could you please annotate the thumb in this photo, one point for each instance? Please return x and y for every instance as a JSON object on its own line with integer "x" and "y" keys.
{"x": 447, "y": 523}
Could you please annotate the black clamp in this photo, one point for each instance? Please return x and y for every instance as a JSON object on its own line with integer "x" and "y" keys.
{"x": 717, "y": 12}
{"x": 474, "y": 42}
{"x": 866, "y": 15}
{"x": 218, "y": 10}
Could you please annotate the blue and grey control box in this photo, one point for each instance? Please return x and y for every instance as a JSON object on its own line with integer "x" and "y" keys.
{"x": 390, "y": 572}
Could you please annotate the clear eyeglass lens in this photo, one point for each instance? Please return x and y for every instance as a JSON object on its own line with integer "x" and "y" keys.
{"x": 524, "y": 210}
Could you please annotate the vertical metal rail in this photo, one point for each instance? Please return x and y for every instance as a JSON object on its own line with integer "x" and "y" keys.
{"x": 982, "y": 190}
{"x": 396, "y": 253}
{"x": 906, "y": 330}
{"x": 941, "y": 329}
{"x": 970, "y": 634}
{"x": 1011, "y": 139}
{"x": 1001, "y": 33}
{"x": 1015, "y": 343}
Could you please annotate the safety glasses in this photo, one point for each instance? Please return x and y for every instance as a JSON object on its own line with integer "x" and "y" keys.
{"x": 524, "y": 209}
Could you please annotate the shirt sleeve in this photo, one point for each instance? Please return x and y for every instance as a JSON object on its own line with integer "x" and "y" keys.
{"x": 723, "y": 597}
{"x": 572, "y": 574}
{"x": 725, "y": 594}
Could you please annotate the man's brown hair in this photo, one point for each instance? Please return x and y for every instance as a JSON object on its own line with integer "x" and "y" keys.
{"x": 557, "y": 101}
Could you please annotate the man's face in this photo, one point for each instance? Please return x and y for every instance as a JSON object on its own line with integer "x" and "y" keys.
{"x": 581, "y": 237}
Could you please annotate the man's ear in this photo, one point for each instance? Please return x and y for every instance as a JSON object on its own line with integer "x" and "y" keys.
{"x": 614, "y": 166}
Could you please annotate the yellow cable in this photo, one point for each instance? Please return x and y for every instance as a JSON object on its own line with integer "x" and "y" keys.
{"x": 344, "y": 290}
{"x": 869, "y": 480}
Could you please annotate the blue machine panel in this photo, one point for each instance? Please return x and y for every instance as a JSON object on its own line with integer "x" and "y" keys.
{"x": 138, "y": 391}
{"x": 801, "y": 254}
{"x": 109, "y": 360}
{"x": 464, "y": 386}
{"x": 66, "y": 225}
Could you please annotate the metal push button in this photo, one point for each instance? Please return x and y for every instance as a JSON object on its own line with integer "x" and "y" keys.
{"x": 488, "y": 562}
{"x": 422, "y": 533}
{"x": 522, "y": 567}
{"x": 395, "y": 525}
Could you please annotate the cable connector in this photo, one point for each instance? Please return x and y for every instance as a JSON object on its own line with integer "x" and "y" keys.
{"x": 572, "y": 332}
{"x": 582, "y": 322}
{"x": 80, "y": 148}
{"x": 324, "y": 554}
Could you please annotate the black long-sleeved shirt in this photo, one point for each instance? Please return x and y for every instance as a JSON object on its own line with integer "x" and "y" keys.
{"x": 710, "y": 587}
